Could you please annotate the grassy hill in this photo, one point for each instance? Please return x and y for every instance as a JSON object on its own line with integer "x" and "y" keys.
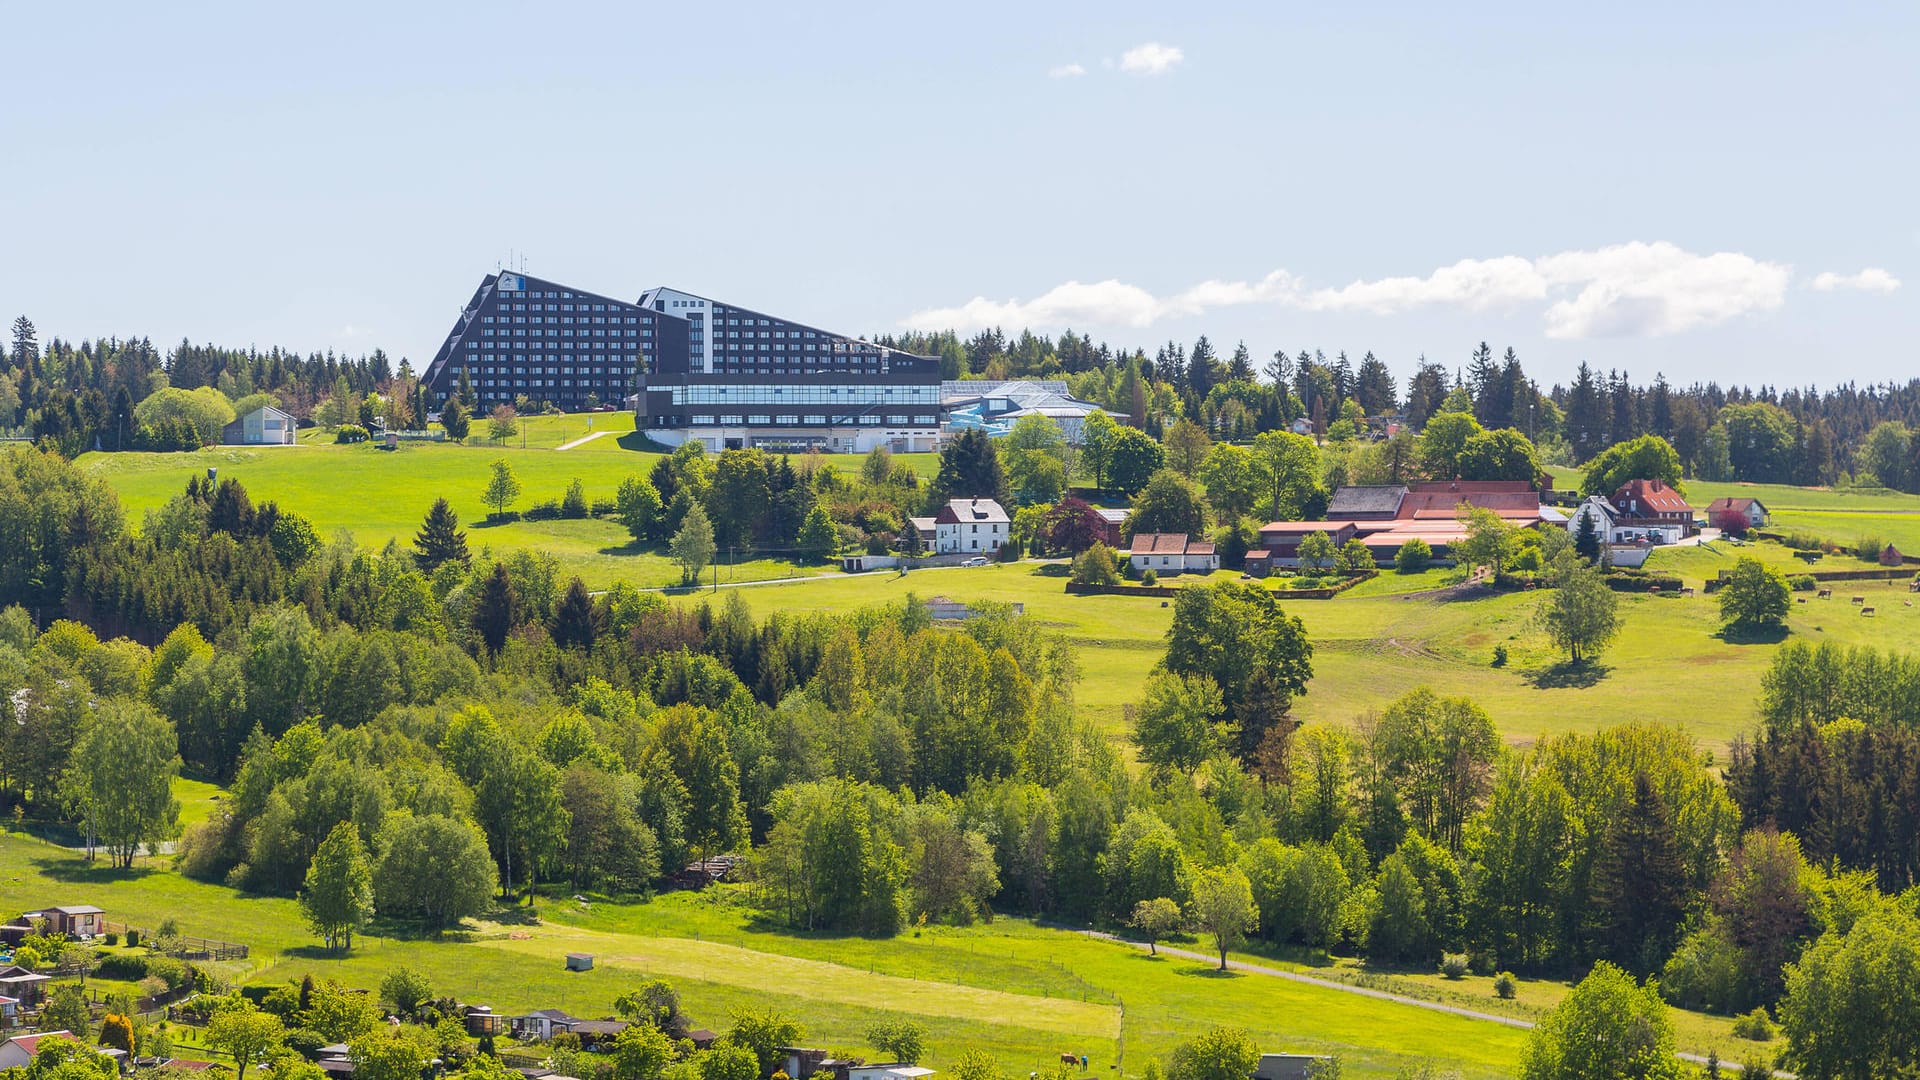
{"x": 381, "y": 496}
{"x": 1027, "y": 993}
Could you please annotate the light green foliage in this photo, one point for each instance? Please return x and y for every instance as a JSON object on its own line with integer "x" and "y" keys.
{"x": 1852, "y": 997}
{"x": 1755, "y": 597}
{"x": 1497, "y": 455}
{"x": 637, "y": 505}
{"x": 338, "y": 898}
{"x": 763, "y": 1031}
{"x": 406, "y": 989}
{"x": 1155, "y": 919}
{"x": 641, "y": 1052}
{"x": 693, "y": 546}
{"x": 1168, "y": 504}
{"x": 1413, "y": 556}
{"x": 120, "y": 783}
{"x": 1317, "y": 551}
{"x": 1223, "y": 907}
{"x": 1132, "y": 458}
{"x": 205, "y": 408}
{"x": 899, "y": 1040}
{"x": 1609, "y": 1028}
{"x": 503, "y": 487}
{"x": 1288, "y": 467}
{"x": 1177, "y": 726}
{"x": 1096, "y": 566}
{"x": 1444, "y": 438}
{"x": 817, "y": 537}
{"x": 1488, "y": 541}
{"x": 243, "y": 1032}
{"x": 1581, "y": 615}
{"x": 390, "y": 1053}
{"x": 435, "y": 869}
{"x": 1222, "y": 1053}
{"x": 1231, "y": 476}
{"x": 1648, "y": 457}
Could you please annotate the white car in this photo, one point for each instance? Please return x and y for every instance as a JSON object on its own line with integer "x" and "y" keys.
{"x": 977, "y": 560}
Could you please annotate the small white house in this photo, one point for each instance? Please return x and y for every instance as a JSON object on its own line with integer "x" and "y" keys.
{"x": 970, "y": 526}
{"x": 264, "y": 426}
{"x": 1171, "y": 553}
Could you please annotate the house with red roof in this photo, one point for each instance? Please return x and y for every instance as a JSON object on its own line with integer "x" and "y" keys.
{"x": 1171, "y": 553}
{"x": 1646, "y": 513}
{"x": 19, "y": 1050}
{"x": 1728, "y": 510}
{"x": 1383, "y": 517}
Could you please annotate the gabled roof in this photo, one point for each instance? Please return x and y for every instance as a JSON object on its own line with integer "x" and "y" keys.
{"x": 30, "y": 1043}
{"x": 1741, "y": 503}
{"x": 1168, "y": 544}
{"x": 971, "y": 512}
{"x": 1508, "y": 498}
{"x": 1653, "y": 496}
{"x": 1112, "y": 514}
{"x": 89, "y": 909}
{"x": 1302, "y": 528}
{"x": 550, "y": 1014}
{"x": 1366, "y": 499}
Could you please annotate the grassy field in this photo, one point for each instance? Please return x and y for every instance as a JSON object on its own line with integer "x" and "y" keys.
{"x": 1667, "y": 666}
{"x": 1024, "y": 992}
{"x": 380, "y": 496}
{"x": 1841, "y": 515}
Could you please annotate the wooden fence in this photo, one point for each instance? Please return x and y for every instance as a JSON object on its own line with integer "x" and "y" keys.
{"x": 183, "y": 946}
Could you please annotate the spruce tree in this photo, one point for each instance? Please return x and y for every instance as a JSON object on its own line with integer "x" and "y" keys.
{"x": 440, "y": 539}
{"x": 1586, "y": 539}
{"x": 1639, "y": 884}
{"x": 576, "y": 622}
{"x": 494, "y": 613}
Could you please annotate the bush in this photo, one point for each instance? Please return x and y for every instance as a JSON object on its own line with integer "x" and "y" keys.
{"x": 1800, "y": 541}
{"x": 128, "y": 967}
{"x": 1454, "y": 965}
{"x": 1505, "y": 986}
{"x": 1413, "y": 556}
{"x": 1756, "y": 1025}
{"x": 1499, "y": 656}
{"x": 1095, "y": 566}
{"x": 1802, "y": 583}
{"x": 1868, "y": 548}
{"x": 1148, "y": 577}
{"x": 305, "y": 1041}
{"x": 574, "y": 503}
{"x": 175, "y": 973}
{"x": 112, "y": 938}
{"x": 349, "y": 433}
{"x": 544, "y": 511}
{"x": 133, "y": 939}
{"x": 605, "y": 508}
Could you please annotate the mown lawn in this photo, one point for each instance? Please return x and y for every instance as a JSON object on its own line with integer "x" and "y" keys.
{"x": 380, "y": 496}
{"x": 1668, "y": 666}
{"x": 1024, "y": 992}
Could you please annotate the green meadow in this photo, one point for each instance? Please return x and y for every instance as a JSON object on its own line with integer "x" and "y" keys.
{"x": 1024, "y": 992}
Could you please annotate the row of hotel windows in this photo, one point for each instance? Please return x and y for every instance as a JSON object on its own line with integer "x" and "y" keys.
{"x": 611, "y": 386}
{"x": 561, "y": 320}
{"x": 521, "y": 358}
{"x": 488, "y": 331}
{"x": 802, "y": 395}
{"x": 504, "y": 370}
{"x": 811, "y": 420}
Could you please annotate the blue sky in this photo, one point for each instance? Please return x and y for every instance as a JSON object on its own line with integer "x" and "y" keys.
{"x": 1638, "y": 186}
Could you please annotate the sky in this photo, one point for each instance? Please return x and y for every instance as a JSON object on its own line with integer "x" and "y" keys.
{"x": 1712, "y": 191}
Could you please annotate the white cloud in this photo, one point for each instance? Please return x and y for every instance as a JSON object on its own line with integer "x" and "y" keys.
{"x": 1152, "y": 58}
{"x": 1625, "y": 290}
{"x": 1066, "y": 71}
{"x": 1872, "y": 279}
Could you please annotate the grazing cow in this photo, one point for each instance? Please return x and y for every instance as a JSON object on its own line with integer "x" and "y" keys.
{"x": 1866, "y": 611}
{"x": 1824, "y": 594}
{"x": 1859, "y": 599}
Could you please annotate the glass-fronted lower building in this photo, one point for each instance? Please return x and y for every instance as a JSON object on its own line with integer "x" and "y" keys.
{"x": 692, "y": 368}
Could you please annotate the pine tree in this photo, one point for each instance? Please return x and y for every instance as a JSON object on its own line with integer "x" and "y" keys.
{"x": 1639, "y": 883}
{"x": 1279, "y": 371}
{"x": 1202, "y": 368}
{"x": 1586, "y": 418}
{"x": 1240, "y": 368}
{"x": 1586, "y": 539}
{"x": 440, "y": 539}
{"x": 496, "y": 611}
{"x": 26, "y": 346}
{"x": 576, "y": 622}
{"x": 1483, "y": 378}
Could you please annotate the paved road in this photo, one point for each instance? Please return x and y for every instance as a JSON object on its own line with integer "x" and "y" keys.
{"x": 583, "y": 440}
{"x": 1380, "y": 995}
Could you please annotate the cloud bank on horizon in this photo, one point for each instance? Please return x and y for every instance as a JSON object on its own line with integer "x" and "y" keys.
{"x": 1635, "y": 289}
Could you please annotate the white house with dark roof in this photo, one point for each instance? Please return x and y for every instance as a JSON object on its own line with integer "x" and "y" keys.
{"x": 970, "y": 526}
